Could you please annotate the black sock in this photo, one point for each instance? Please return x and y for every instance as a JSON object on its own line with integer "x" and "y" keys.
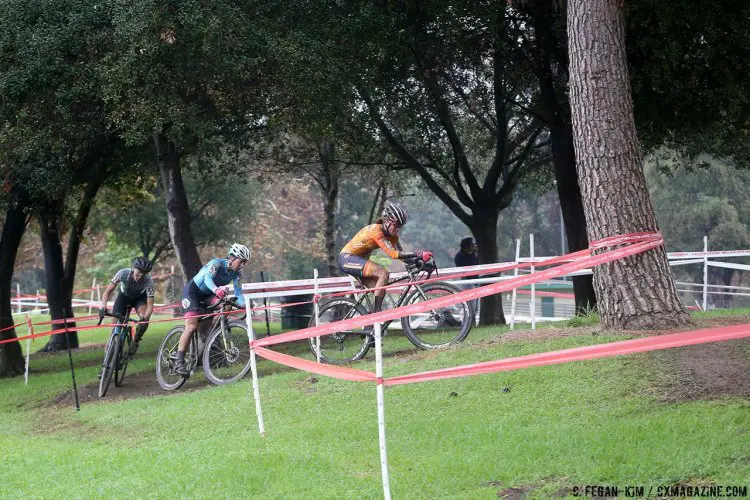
{"x": 180, "y": 356}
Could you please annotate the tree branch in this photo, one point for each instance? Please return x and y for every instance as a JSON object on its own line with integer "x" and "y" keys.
{"x": 498, "y": 73}
{"x": 414, "y": 164}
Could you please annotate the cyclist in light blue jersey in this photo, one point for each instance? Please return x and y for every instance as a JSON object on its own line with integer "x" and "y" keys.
{"x": 207, "y": 284}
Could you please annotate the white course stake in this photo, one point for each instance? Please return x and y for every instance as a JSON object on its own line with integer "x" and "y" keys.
{"x": 315, "y": 310}
{"x": 91, "y": 295}
{"x": 28, "y": 351}
{"x": 533, "y": 286}
{"x": 515, "y": 290}
{"x": 705, "y": 273}
{"x": 381, "y": 411}
{"x": 254, "y": 366}
{"x": 18, "y": 298}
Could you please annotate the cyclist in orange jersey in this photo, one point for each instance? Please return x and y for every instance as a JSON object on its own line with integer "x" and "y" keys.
{"x": 354, "y": 257}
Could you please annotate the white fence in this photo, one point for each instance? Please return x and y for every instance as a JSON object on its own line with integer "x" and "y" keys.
{"x": 524, "y": 305}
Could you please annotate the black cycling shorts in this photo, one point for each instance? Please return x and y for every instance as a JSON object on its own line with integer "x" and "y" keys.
{"x": 352, "y": 264}
{"x": 123, "y": 302}
{"x": 193, "y": 299}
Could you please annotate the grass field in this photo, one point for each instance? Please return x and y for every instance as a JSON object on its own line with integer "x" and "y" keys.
{"x": 536, "y": 432}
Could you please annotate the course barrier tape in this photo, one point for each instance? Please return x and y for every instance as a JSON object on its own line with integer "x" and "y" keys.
{"x": 340, "y": 372}
{"x": 633, "y": 346}
{"x": 65, "y": 321}
{"x": 638, "y": 243}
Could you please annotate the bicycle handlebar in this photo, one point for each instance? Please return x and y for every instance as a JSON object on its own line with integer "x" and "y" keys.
{"x": 119, "y": 317}
{"x": 419, "y": 265}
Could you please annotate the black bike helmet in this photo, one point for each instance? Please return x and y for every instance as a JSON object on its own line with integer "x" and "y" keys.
{"x": 142, "y": 264}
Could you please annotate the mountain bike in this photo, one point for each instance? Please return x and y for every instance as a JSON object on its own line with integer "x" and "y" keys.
{"x": 433, "y": 329}
{"x": 116, "y": 352}
{"x": 224, "y": 354}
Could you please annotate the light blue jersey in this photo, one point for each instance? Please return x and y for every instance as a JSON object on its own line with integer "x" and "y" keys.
{"x": 215, "y": 274}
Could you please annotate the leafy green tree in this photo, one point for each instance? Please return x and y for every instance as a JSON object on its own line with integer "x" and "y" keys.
{"x": 707, "y": 197}
{"x": 690, "y": 67}
{"x": 434, "y": 83}
{"x": 182, "y": 74}
{"x": 133, "y": 215}
{"x": 54, "y": 140}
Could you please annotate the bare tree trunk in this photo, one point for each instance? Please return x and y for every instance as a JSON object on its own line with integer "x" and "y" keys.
{"x": 485, "y": 232}
{"x": 557, "y": 115}
{"x": 74, "y": 242}
{"x": 11, "y": 359}
{"x": 571, "y": 203}
{"x": 330, "y": 185}
{"x": 637, "y": 292}
{"x": 377, "y": 203}
{"x": 178, "y": 212}
{"x": 50, "y": 229}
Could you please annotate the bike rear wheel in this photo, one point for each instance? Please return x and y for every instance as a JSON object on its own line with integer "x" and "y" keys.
{"x": 110, "y": 357}
{"x": 166, "y": 358}
{"x": 123, "y": 359}
{"x": 440, "y": 327}
{"x": 226, "y": 357}
{"x": 346, "y": 346}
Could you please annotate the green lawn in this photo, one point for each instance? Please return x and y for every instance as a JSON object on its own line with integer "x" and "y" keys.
{"x": 546, "y": 428}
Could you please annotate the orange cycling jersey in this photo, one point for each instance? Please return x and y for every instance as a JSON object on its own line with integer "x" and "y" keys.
{"x": 371, "y": 237}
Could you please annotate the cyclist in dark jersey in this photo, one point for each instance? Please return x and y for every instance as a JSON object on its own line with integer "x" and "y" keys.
{"x": 206, "y": 285}
{"x": 354, "y": 258}
{"x": 137, "y": 291}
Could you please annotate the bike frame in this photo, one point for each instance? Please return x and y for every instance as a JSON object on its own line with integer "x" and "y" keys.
{"x": 411, "y": 278}
{"x": 220, "y": 321}
{"x": 121, "y": 327}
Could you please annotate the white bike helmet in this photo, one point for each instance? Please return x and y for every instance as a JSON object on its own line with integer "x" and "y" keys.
{"x": 239, "y": 251}
{"x": 395, "y": 212}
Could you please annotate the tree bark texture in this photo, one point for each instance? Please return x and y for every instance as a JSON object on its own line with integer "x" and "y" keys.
{"x": 50, "y": 229}
{"x": 637, "y": 292}
{"x": 178, "y": 211}
{"x": 11, "y": 358}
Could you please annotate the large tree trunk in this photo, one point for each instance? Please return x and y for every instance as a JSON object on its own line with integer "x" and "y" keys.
{"x": 178, "y": 212}
{"x": 484, "y": 230}
{"x": 11, "y": 359}
{"x": 50, "y": 222}
{"x": 637, "y": 292}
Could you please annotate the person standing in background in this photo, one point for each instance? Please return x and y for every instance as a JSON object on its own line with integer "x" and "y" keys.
{"x": 467, "y": 256}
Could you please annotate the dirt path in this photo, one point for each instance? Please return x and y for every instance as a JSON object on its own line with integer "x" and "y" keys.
{"x": 133, "y": 386}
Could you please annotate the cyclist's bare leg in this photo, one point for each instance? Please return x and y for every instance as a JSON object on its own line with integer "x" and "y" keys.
{"x": 376, "y": 276}
{"x": 143, "y": 312}
{"x": 191, "y": 325}
{"x": 140, "y": 329}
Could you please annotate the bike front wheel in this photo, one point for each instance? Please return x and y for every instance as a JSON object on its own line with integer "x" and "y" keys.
{"x": 226, "y": 357}
{"x": 122, "y": 360}
{"x": 166, "y": 358}
{"x": 110, "y": 359}
{"x": 346, "y": 346}
{"x": 440, "y": 327}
